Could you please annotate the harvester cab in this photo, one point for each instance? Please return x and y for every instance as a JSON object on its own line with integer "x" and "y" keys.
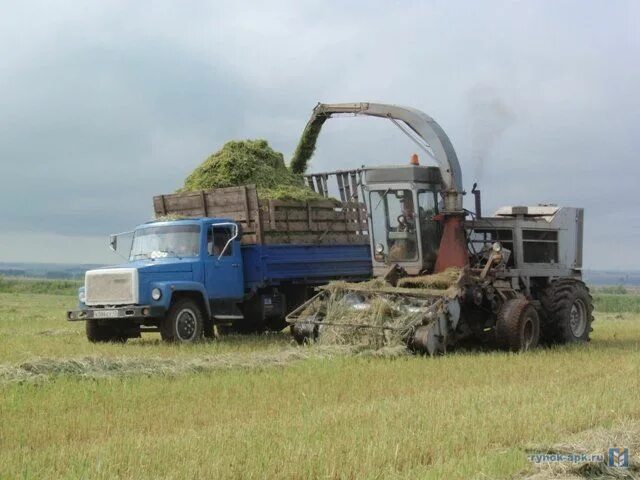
{"x": 442, "y": 280}
{"x": 403, "y": 204}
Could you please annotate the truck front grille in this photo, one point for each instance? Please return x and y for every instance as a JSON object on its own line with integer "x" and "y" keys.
{"x": 113, "y": 286}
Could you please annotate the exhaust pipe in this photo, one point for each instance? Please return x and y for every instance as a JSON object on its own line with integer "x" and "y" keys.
{"x": 476, "y": 194}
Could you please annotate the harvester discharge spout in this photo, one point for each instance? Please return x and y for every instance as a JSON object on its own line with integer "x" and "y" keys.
{"x": 429, "y": 135}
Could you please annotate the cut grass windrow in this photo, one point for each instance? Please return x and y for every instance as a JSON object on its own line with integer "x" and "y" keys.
{"x": 95, "y": 367}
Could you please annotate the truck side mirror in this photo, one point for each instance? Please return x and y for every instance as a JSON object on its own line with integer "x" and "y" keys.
{"x": 113, "y": 242}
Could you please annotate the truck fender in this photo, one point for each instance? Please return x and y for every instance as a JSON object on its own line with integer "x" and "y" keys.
{"x": 169, "y": 289}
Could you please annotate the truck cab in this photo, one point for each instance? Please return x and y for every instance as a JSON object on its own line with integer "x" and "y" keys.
{"x": 176, "y": 272}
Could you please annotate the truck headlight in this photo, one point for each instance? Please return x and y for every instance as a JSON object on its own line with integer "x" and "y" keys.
{"x": 156, "y": 294}
{"x": 81, "y": 295}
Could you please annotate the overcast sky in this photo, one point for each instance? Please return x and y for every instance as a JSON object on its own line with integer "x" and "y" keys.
{"x": 104, "y": 104}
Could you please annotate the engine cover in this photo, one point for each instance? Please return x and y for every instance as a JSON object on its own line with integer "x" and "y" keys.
{"x": 111, "y": 286}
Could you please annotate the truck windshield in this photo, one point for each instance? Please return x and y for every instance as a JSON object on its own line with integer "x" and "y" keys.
{"x": 165, "y": 241}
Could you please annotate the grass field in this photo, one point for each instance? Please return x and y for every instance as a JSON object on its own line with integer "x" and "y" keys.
{"x": 260, "y": 407}
{"x": 38, "y": 285}
{"x": 616, "y": 303}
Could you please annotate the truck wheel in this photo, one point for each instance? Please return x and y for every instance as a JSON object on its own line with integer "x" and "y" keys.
{"x": 518, "y": 325}
{"x": 183, "y": 323}
{"x": 568, "y": 312}
{"x": 97, "y": 333}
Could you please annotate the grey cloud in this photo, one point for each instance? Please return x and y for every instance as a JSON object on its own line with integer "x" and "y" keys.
{"x": 87, "y": 140}
{"x": 105, "y": 105}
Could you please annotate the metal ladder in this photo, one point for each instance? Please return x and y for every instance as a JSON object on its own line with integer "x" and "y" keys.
{"x": 349, "y": 183}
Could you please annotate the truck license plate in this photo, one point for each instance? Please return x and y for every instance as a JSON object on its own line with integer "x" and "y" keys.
{"x": 105, "y": 313}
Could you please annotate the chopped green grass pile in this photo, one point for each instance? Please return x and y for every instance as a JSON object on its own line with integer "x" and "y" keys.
{"x": 442, "y": 280}
{"x": 249, "y": 162}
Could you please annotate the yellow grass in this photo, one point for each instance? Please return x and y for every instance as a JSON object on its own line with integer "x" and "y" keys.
{"x": 296, "y": 412}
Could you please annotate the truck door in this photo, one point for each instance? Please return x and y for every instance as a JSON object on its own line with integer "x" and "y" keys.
{"x": 223, "y": 266}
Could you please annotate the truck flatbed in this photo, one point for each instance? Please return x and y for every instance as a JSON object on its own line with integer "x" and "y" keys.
{"x": 304, "y": 264}
{"x": 271, "y": 222}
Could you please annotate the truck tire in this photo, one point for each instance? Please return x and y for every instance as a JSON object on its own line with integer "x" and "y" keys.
{"x": 184, "y": 322}
{"x": 97, "y": 333}
{"x": 568, "y": 312}
{"x": 518, "y": 325}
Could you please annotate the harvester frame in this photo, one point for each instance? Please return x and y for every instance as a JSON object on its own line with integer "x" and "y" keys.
{"x": 519, "y": 278}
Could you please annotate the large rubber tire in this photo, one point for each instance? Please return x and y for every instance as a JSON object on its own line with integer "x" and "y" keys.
{"x": 97, "y": 333}
{"x": 567, "y": 312}
{"x": 183, "y": 323}
{"x": 518, "y": 325}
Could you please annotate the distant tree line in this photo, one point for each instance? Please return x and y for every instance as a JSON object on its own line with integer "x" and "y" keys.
{"x": 52, "y": 274}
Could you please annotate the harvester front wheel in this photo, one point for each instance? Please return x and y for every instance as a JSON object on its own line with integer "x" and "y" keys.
{"x": 518, "y": 325}
{"x": 568, "y": 309}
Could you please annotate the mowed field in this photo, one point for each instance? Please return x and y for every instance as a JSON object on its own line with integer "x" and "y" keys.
{"x": 261, "y": 407}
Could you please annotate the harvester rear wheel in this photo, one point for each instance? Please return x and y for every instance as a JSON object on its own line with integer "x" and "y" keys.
{"x": 518, "y": 325}
{"x": 568, "y": 312}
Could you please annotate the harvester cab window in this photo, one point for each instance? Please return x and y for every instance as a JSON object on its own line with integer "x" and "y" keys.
{"x": 394, "y": 216}
{"x": 540, "y": 246}
{"x": 430, "y": 230}
{"x": 217, "y": 238}
{"x": 482, "y": 239}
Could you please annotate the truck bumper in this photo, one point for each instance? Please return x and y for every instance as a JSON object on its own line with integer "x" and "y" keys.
{"x": 134, "y": 312}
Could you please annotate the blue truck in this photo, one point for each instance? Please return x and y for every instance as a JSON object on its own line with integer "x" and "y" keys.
{"x": 222, "y": 259}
